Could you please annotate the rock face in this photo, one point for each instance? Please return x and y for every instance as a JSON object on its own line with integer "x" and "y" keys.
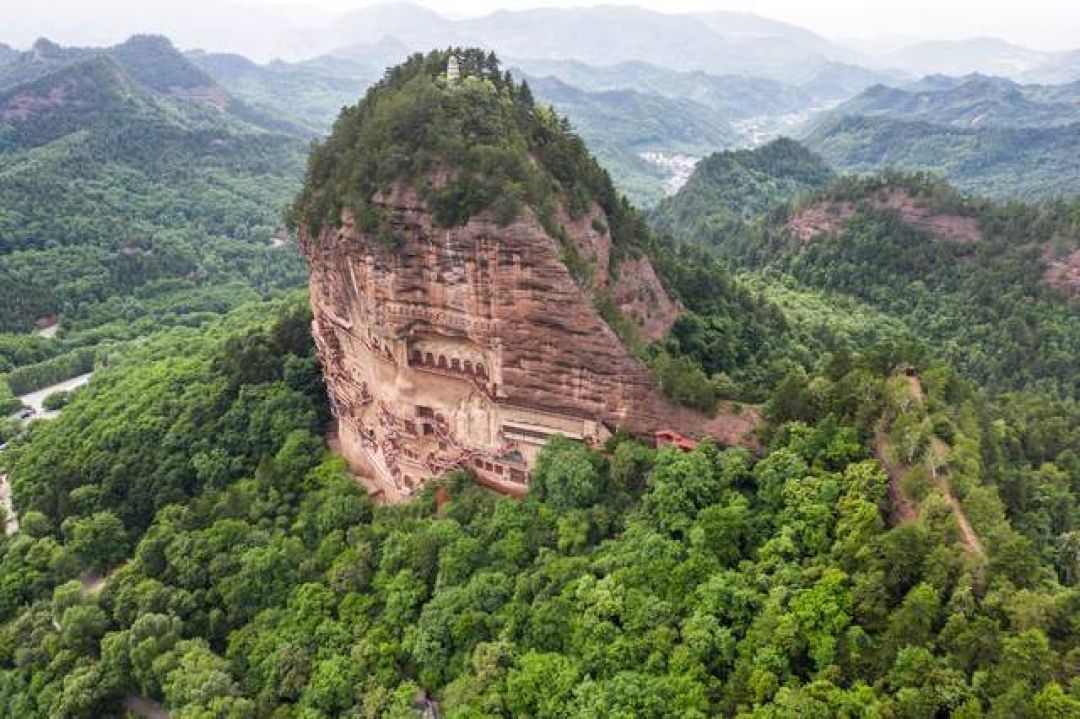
{"x": 823, "y": 217}
{"x": 470, "y": 346}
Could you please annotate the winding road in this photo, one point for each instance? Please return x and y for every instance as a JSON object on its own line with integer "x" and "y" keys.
{"x": 36, "y": 401}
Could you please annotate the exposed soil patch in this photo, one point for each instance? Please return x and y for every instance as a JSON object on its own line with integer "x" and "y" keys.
{"x": 210, "y": 94}
{"x": 1063, "y": 273}
{"x": 21, "y": 107}
{"x": 141, "y": 706}
{"x": 731, "y": 429}
{"x": 820, "y": 219}
{"x": 825, "y": 217}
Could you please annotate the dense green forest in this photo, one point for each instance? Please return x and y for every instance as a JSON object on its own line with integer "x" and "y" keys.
{"x": 984, "y": 306}
{"x": 249, "y": 576}
{"x": 146, "y": 197}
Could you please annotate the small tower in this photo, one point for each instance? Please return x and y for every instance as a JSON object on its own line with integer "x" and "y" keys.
{"x": 453, "y": 71}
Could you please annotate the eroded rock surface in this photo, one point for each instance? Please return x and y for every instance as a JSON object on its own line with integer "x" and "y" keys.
{"x": 825, "y": 217}
{"x": 470, "y": 346}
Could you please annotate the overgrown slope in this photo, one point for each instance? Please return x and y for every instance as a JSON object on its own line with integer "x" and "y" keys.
{"x": 734, "y": 187}
{"x": 128, "y": 177}
{"x": 982, "y": 283}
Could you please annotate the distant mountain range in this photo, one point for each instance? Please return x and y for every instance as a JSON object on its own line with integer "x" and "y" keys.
{"x": 971, "y": 101}
{"x": 716, "y": 42}
{"x": 719, "y": 43}
{"x": 675, "y": 86}
{"x": 622, "y": 110}
{"x": 987, "y": 135}
{"x": 984, "y": 55}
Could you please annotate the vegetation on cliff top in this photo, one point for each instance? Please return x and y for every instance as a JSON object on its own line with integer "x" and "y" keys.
{"x": 480, "y": 144}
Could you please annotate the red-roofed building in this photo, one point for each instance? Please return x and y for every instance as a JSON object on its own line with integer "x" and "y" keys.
{"x": 671, "y": 438}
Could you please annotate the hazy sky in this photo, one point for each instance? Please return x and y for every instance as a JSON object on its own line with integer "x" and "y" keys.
{"x": 246, "y": 25}
{"x": 1045, "y": 24}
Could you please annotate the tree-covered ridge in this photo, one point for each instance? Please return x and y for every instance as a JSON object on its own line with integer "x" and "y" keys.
{"x": 248, "y": 576}
{"x": 122, "y": 198}
{"x": 986, "y": 135}
{"x": 483, "y": 143}
{"x": 985, "y": 306}
{"x": 970, "y": 101}
{"x": 739, "y": 186}
{"x": 1034, "y": 163}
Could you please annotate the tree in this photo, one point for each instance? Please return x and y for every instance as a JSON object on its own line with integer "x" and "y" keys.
{"x": 97, "y": 541}
{"x": 541, "y": 685}
{"x": 567, "y": 475}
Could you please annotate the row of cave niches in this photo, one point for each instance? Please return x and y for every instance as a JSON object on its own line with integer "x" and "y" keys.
{"x": 453, "y": 365}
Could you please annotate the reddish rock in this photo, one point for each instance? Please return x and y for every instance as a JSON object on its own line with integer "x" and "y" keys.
{"x": 470, "y": 346}
{"x": 824, "y": 217}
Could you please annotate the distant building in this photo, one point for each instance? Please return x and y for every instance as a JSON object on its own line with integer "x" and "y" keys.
{"x": 671, "y": 438}
{"x": 453, "y": 71}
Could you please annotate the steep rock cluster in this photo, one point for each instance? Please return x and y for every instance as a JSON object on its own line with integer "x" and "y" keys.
{"x": 470, "y": 346}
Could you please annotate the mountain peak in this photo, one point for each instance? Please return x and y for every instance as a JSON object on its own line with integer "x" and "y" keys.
{"x": 45, "y": 48}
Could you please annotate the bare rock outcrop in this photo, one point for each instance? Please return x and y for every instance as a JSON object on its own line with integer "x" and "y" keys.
{"x": 471, "y": 346}
{"x": 824, "y": 217}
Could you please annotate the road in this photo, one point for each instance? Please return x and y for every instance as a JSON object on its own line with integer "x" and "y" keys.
{"x": 36, "y": 401}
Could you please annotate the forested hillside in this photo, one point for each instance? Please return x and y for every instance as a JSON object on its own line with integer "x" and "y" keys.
{"x": 986, "y": 285}
{"x": 735, "y": 187}
{"x": 134, "y": 194}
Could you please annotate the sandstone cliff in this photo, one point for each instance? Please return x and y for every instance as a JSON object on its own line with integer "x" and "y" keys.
{"x": 467, "y": 255}
{"x": 469, "y": 346}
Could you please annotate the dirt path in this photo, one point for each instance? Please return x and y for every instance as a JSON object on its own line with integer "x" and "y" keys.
{"x": 968, "y": 537}
{"x": 36, "y": 399}
{"x": 91, "y": 582}
{"x": 11, "y": 520}
{"x": 141, "y": 706}
{"x": 904, "y": 508}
